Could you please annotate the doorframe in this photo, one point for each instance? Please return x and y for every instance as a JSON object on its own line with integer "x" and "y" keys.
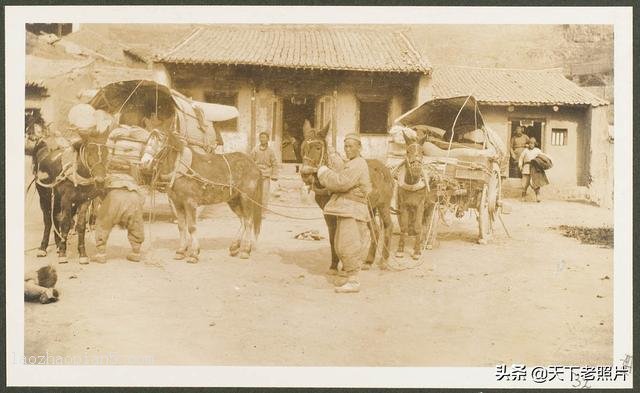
{"x": 543, "y": 128}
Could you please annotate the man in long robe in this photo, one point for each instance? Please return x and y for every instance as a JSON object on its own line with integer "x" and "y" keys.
{"x": 349, "y": 187}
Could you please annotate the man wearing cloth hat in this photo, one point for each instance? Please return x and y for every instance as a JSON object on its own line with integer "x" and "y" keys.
{"x": 350, "y": 187}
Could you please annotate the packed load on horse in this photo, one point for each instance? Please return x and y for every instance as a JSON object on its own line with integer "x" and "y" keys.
{"x": 68, "y": 174}
{"x": 445, "y": 161}
{"x": 168, "y": 142}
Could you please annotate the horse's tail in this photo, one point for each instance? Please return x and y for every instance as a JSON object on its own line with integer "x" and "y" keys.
{"x": 257, "y": 208}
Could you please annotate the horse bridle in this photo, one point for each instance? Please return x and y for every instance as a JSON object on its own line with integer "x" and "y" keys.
{"x": 410, "y": 164}
{"x": 308, "y": 160}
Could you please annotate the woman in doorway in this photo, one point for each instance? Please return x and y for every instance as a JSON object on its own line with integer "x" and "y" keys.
{"x": 533, "y": 163}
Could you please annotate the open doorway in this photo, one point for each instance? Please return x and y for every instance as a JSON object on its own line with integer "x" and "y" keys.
{"x": 531, "y": 128}
{"x": 295, "y": 110}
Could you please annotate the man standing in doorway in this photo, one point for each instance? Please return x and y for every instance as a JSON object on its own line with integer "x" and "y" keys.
{"x": 519, "y": 142}
{"x": 350, "y": 187}
{"x": 532, "y": 163}
{"x": 266, "y": 159}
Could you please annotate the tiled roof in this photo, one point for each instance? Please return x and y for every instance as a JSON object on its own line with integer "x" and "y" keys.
{"x": 143, "y": 53}
{"x": 510, "y": 87}
{"x": 303, "y": 47}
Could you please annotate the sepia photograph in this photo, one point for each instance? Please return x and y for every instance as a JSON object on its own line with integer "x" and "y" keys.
{"x": 348, "y": 194}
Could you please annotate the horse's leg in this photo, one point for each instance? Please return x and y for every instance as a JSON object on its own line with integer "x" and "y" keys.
{"x": 385, "y": 214}
{"x": 373, "y": 245}
{"x": 190, "y": 208}
{"x": 181, "y": 217}
{"x": 235, "y": 204}
{"x": 331, "y": 222}
{"x": 417, "y": 226}
{"x": 67, "y": 211}
{"x": 247, "y": 223}
{"x": 81, "y": 225}
{"x": 403, "y": 219}
{"x": 45, "y": 206}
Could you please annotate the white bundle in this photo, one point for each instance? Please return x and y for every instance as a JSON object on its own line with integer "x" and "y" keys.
{"x": 399, "y": 132}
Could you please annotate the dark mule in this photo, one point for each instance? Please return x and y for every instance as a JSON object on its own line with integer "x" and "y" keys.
{"x": 209, "y": 179}
{"x": 73, "y": 190}
{"x": 413, "y": 198}
{"x": 315, "y": 154}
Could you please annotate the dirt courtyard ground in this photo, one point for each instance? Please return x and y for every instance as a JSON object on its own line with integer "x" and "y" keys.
{"x": 537, "y": 298}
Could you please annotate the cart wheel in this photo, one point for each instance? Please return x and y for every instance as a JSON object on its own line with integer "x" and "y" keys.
{"x": 484, "y": 217}
{"x": 493, "y": 194}
{"x": 431, "y": 226}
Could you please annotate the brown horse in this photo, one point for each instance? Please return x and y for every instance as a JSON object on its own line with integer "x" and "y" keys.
{"x": 413, "y": 198}
{"x": 314, "y": 151}
{"x": 209, "y": 179}
{"x": 61, "y": 194}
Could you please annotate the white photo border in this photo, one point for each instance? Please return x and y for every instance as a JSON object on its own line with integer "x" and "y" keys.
{"x": 19, "y": 374}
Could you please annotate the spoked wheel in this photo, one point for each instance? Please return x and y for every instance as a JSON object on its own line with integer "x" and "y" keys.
{"x": 485, "y": 220}
{"x": 493, "y": 194}
{"x": 431, "y": 226}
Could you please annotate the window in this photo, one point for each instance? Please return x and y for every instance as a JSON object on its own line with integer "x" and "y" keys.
{"x": 559, "y": 136}
{"x": 223, "y": 98}
{"x": 374, "y": 116}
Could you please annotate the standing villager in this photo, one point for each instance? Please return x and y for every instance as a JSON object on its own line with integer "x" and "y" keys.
{"x": 519, "y": 143}
{"x": 267, "y": 162}
{"x": 122, "y": 205}
{"x": 40, "y": 285}
{"x": 350, "y": 187}
{"x": 532, "y": 163}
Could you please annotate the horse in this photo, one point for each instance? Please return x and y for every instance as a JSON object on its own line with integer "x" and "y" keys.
{"x": 314, "y": 151}
{"x": 413, "y": 198}
{"x": 200, "y": 179}
{"x": 66, "y": 189}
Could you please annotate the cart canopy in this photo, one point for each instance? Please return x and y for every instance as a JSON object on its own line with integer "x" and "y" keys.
{"x": 136, "y": 100}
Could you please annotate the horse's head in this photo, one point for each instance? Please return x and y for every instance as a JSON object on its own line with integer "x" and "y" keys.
{"x": 34, "y": 131}
{"x": 414, "y": 154}
{"x": 160, "y": 152}
{"x": 313, "y": 151}
{"x": 93, "y": 156}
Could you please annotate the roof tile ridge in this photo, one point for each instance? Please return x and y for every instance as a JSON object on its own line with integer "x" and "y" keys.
{"x": 195, "y": 32}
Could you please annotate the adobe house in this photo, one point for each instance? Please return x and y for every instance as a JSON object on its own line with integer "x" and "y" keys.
{"x": 358, "y": 79}
{"x": 569, "y": 122}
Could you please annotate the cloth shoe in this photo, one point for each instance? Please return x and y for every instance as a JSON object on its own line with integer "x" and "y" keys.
{"x": 351, "y": 286}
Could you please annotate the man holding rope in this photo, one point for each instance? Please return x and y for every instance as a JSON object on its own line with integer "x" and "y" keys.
{"x": 349, "y": 187}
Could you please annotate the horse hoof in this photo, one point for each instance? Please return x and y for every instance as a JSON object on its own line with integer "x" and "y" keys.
{"x": 482, "y": 241}
{"x": 63, "y": 260}
{"x": 332, "y": 272}
{"x": 179, "y": 256}
{"x": 234, "y": 251}
{"x": 192, "y": 259}
{"x": 399, "y": 254}
{"x": 366, "y": 266}
{"x": 41, "y": 253}
{"x": 83, "y": 260}
{"x": 243, "y": 255}
{"x": 429, "y": 247}
{"x": 415, "y": 256}
{"x": 100, "y": 258}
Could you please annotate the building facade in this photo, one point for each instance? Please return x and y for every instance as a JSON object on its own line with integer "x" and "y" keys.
{"x": 569, "y": 123}
{"x": 360, "y": 80}
{"x": 278, "y": 77}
